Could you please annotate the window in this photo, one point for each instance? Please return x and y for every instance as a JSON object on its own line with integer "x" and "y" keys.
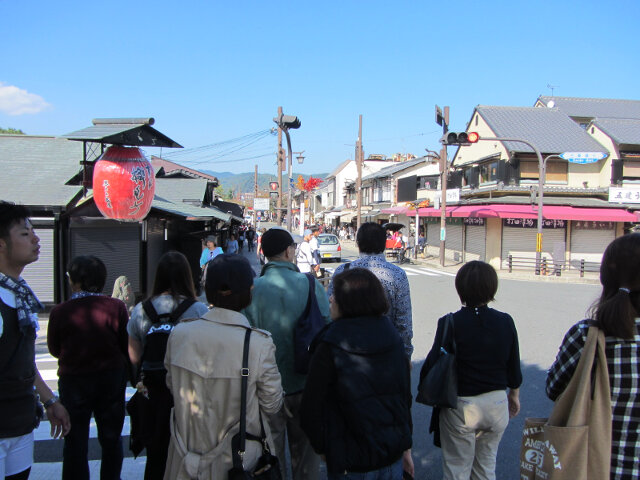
{"x": 489, "y": 172}
{"x": 429, "y": 183}
{"x": 556, "y": 171}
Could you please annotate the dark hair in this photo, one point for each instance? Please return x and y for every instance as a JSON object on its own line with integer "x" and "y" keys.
{"x": 476, "y": 283}
{"x": 616, "y": 310}
{"x": 173, "y": 275}
{"x": 10, "y": 214}
{"x": 371, "y": 238}
{"x": 229, "y": 281}
{"x": 89, "y": 272}
{"x": 359, "y": 293}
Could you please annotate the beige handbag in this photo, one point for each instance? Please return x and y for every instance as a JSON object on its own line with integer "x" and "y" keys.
{"x": 575, "y": 441}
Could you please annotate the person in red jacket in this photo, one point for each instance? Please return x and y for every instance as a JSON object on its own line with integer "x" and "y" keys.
{"x": 88, "y": 335}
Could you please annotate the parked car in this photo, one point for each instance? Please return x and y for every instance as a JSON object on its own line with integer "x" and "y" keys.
{"x": 329, "y": 247}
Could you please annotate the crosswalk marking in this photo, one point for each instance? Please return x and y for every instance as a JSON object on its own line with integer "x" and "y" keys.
{"x": 438, "y": 272}
{"x": 419, "y": 272}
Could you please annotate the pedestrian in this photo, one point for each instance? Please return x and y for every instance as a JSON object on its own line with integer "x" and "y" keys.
{"x": 487, "y": 364}
{"x": 204, "y": 360}
{"x": 240, "y": 239}
{"x": 304, "y": 255}
{"x": 617, "y": 314}
{"x": 315, "y": 249}
{"x": 22, "y": 385}
{"x": 172, "y": 285}
{"x": 251, "y": 235}
{"x": 371, "y": 239}
{"x": 259, "y": 251}
{"x": 209, "y": 250}
{"x": 232, "y": 244}
{"x": 123, "y": 290}
{"x": 356, "y": 406}
{"x": 88, "y": 336}
{"x": 279, "y": 299}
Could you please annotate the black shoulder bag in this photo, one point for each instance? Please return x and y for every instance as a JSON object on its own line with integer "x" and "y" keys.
{"x": 439, "y": 387}
{"x": 268, "y": 467}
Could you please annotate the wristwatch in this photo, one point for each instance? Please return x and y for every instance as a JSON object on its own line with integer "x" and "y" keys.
{"x": 51, "y": 401}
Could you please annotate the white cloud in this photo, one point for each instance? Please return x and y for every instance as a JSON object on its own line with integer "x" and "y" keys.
{"x": 16, "y": 101}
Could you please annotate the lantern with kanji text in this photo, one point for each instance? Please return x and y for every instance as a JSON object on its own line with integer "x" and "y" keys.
{"x": 123, "y": 184}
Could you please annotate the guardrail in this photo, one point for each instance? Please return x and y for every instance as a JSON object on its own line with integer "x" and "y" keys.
{"x": 551, "y": 267}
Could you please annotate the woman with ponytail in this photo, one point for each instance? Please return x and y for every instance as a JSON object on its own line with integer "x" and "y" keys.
{"x": 616, "y": 313}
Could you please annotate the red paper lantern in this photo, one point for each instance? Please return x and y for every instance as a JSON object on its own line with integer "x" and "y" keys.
{"x": 123, "y": 184}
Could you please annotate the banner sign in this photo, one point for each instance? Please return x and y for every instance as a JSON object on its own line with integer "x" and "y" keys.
{"x": 533, "y": 223}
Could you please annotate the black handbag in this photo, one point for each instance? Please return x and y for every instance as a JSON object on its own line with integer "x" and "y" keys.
{"x": 439, "y": 387}
{"x": 268, "y": 467}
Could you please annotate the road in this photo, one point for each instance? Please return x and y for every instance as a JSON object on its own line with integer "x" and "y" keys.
{"x": 542, "y": 311}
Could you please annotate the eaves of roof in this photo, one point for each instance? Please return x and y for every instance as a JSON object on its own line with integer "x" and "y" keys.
{"x": 137, "y": 133}
{"x": 392, "y": 169}
{"x": 594, "y": 107}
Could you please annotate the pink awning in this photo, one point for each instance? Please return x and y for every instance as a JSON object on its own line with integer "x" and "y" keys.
{"x": 549, "y": 212}
{"x": 396, "y": 210}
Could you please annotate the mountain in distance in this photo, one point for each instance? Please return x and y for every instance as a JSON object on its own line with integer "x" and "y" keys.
{"x": 244, "y": 182}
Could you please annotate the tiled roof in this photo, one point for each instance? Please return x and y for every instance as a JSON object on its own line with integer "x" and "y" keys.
{"x": 594, "y": 107}
{"x": 621, "y": 131}
{"x": 170, "y": 167}
{"x": 181, "y": 197}
{"x": 549, "y": 129}
{"x": 35, "y": 170}
{"x": 391, "y": 169}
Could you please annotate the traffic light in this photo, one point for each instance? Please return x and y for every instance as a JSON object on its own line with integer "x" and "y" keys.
{"x": 287, "y": 121}
{"x": 462, "y": 138}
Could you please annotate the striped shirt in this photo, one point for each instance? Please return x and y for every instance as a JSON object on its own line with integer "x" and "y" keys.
{"x": 623, "y": 364}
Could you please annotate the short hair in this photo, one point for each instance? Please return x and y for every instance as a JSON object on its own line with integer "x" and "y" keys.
{"x": 10, "y": 214}
{"x": 173, "y": 275}
{"x": 371, "y": 238}
{"x": 359, "y": 293}
{"x": 476, "y": 283}
{"x": 229, "y": 281}
{"x": 89, "y": 272}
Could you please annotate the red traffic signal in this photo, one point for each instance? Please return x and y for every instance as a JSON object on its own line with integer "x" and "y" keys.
{"x": 461, "y": 138}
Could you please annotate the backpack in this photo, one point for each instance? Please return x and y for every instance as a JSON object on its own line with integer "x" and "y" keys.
{"x": 306, "y": 328}
{"x": 152, "y": 365}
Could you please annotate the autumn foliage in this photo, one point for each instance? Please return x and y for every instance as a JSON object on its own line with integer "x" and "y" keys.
{"x": 309, "y": 185}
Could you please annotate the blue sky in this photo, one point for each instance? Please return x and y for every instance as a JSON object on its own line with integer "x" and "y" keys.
{"x": 213, "y": 71}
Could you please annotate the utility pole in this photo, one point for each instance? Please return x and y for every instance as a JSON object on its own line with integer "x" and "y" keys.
{"x": 444, "y": 171}
{"x": 255, "y": 194}
{"x": 280, "y": 165}
{"x": 359, "y": 161}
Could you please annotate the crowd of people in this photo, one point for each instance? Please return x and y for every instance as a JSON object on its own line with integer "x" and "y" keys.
{"x": 210, "y": 377}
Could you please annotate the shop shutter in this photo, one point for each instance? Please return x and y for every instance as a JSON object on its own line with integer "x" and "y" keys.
{"x": 433, "y": 238}
{"x": 116, "y": 244}
{"x": 475, "y": 242}
{"x": 589, "y": 245}
{"x": 40, "y": 275}
{"x": 453, "y": 244}
{"x": 155, "y": 249}
{"x": 521, "y": 243}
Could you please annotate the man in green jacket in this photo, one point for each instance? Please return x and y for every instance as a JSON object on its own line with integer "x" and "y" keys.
{"x": 279, "y": 299}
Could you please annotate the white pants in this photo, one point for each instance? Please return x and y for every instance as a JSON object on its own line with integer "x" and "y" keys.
{"x": 16, "y": 454}
{"x": 470, "y": 435}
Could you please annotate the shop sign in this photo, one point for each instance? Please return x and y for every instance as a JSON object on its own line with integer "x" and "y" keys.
{"x": 474, "y": 221}
{"x": 624, "y": 195}
{"x": 533, "y": 223}
{"x": 584, "y": 225}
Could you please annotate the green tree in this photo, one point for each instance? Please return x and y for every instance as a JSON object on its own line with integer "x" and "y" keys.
{"x": 12, "y": 131}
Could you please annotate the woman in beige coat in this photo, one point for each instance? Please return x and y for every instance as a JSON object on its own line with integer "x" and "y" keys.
{"x": 203, "y": 361}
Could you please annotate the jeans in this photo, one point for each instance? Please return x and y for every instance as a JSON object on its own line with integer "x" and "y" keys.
{"x": 103, "y": 394}
{"x": 391, "y": 472}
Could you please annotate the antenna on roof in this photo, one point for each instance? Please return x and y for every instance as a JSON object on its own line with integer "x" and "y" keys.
{"x": 552, "y": 87}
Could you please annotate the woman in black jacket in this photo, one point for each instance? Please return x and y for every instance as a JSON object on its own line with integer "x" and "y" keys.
{"x": 489, "y": 377}
{"x": 356, "y": 406}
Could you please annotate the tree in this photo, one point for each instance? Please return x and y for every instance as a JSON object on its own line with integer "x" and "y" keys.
{"x": 11, "y": 131}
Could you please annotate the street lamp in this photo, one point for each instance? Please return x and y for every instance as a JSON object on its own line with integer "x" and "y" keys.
{"x": 285, "y": 122}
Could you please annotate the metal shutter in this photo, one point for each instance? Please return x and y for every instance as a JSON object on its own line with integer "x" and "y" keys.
{"x": 155, "y": 249}
{"x": 475, "y": 242}
{"x": 116, "y": 244}
{"x": 40, "y": 275}
{"x": 453, "y": 243}
{"x": 521, "y": 242}
{"x": 589, "y": 244}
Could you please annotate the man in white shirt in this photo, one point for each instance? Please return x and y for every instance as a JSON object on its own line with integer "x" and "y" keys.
{"x": 315, "y": 250}
{"x": 304, "y": 255}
